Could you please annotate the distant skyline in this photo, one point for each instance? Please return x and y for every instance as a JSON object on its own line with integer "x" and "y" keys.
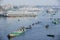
{"x": 31, "y": 2}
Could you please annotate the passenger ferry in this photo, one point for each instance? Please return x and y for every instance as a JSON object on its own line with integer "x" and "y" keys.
{"x": 23, "y": 12}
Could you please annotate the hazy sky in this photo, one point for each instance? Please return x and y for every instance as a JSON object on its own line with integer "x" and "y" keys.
{"x": 31, "y": 2}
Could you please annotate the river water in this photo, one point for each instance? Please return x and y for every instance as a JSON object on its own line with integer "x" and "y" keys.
{"x": 38, "y": 31}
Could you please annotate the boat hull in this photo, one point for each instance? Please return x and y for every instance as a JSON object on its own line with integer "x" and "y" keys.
{"x": 14, "y": 34}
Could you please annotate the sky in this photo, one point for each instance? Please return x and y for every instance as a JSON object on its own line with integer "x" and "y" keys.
{"x": 31, "y": 2}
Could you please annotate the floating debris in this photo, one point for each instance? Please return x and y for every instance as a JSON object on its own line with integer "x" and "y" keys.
{"x": 51, "y": 35}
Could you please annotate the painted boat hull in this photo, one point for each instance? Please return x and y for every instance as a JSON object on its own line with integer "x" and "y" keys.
{"x": 14, "y": 34}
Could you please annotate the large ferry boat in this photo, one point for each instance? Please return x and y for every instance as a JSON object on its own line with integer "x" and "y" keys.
{"x": 19, "y": 11}
{"x": 23, "y": 12}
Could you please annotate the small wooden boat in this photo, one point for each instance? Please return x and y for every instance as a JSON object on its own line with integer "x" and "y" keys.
{"x": 46, "y": 26}
{"x": 51, "y": 35}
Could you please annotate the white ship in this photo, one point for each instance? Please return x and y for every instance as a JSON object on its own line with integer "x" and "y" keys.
{"x": 23, "y": 12}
